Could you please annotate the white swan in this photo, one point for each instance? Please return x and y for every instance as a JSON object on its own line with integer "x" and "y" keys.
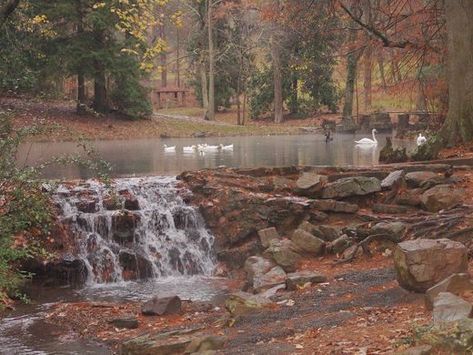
{"x": 169, "y": 149}
{"x": 367, "y": 140}
{"x": 226, "y": 147}
{"x": 211, "y": 147}
{"x": 189, "y": 149}
{"x": 421, "y": 139}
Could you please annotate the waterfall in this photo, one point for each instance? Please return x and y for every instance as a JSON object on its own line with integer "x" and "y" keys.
{"x": 137, "y": 228}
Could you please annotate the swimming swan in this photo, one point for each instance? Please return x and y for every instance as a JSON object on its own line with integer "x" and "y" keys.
{"x": 367, "y": 140}
{"x": 421, "y": 139}
{"x": 169, "y": 149}
{"x": 190, "y": 149}
{"x": 226, "y": 147}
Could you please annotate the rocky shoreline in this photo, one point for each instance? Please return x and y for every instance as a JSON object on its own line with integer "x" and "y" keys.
{"x": 318, "y": 255}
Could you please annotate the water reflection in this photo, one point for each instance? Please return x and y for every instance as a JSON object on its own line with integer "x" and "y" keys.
{"x": 148, "y": 157}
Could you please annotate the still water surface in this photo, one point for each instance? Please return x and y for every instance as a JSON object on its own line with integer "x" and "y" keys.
{"x": 147, "y": 156}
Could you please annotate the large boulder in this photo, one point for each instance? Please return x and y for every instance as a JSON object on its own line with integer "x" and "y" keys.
{"x": 161, "y": 306}
{"x": 310, "y": 184}
{"x": 307, "y": 242}
{"x": 456, "y": 284}
{"x": 340, "y": 244}
{"x": 256, "y": 266}
{"x": 419, "y": 178}
{"x": 395, "y": 229}
{"x": 450, "y": 337}
{"x": 300, "y": 278}
{"x": 422, "y": 263}
{"x": 450, "y": 308}
{"x": 395, "y": 177}
{"x": 351, "y": 186}
{"x": 284, "y": 254}
{"x": 441, "y": 197}
{"x": 274, "y": 277}
{"x": 267, "y": 235}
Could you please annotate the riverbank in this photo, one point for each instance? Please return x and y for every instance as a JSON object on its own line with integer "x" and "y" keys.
{"x": 332, "y": 285}
{"x": 62, "y": 124}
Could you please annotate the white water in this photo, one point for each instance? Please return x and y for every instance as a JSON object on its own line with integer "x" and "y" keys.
{"x": 169, "y": 238}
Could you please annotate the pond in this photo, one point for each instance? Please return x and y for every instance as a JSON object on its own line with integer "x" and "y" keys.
{"x": 148, "y": 156}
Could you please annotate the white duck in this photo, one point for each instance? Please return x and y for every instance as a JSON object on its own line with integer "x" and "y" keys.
{"x": 226, "y": 147}
{"x": 421, "y": 139}
{"x": 169, "y": 149}
{"x": 367, "y": 141}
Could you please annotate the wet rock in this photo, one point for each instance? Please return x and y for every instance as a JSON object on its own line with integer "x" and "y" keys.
{"x": 126, "y": 321}
{"x": 418, "y": 178}
{"x": 283, "y": 253}
{"x": 131, "y": 203}
{"x": 310, "y": 184}
{"x": 123, "y": 226}
{"x": 422, "y": 263}
{"x": 394, "y": 178}
{"x": 242, "y": 302}
{"x": 205, "y": 345}
{"x": 267, "y": 235}
{"x": 68, "y": 271}
{"x": 330, "y": 205}
{"x": 111, "y": 203}
{"x": 256, "y": 266}
{"x": 300, "y": 278}
{"x": 441, "y": 197}
{"x": 87, "y": 206}
{"x": 395, "y": 229}
{"x": 184, "y": 218}
{"x": 161, "y": 306}
{"x": 307, "y": 242}
{"x": 326, "y": 233}
{"x": 456, "y": 284}
{"x": 449, "y": 308}
{"x": 351, "y": 186}
{"x": 339, "y": 244}
{"x": 235, "y": 257}
{"x": 167, "y": 343}
{"x": 388, "y": 209}
{"x": 275, "y": 276}
{"x": 135, "y": 266}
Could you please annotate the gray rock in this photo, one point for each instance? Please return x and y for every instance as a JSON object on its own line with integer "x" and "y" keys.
{"x": 302, "y": 277}
{"x": 409, "y": 197}
{"x": 450, "y": 337}
{"x": 330, "y": 205}
{"x": 340, "y": 244}
{"x": 456, "y": 284}
{"x": 284, "y": 254}
{"x": 267, "y": 235}
{"x": 450, "y": 308}
{"x": 422, "y": 263}
{"x": 441, "y": 197}
{"x": 256, "y": 266}
{"x": 351, "y": 186}
{"x": 310, "y": 184}
{"x": 205, "y": 344}
{"x": 326, "y": 233}
{"x": 307, "y": 242}
{"x": 128, "y": 322}
{"x": 417, "y": 350}
{"x": 388, "y": 209}
{"x": 275, "y": 276}
{"x": 242, "y": 302}
{"x": 417, "y": 178}
{"x": 395, "y": 229}
{"x": 394, "y": 177}
{"x": 161, "y": 306}
{"x": 307, "y": 227}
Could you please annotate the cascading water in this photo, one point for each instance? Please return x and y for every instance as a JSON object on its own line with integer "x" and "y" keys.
{"x": 136, "y": 229}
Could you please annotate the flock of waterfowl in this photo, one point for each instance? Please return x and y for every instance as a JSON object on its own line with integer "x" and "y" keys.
{"x": 200, "y": 148}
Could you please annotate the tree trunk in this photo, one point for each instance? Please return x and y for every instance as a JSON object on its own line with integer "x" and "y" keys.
{"x": 367, "y": 78}
{"x": 204, "y": 86}
{"x": 294, "y": 99}
{"x": 352, "y": 61}
{"x": 178, "y": 68}
{"x": 81, "y": 106}
{"x": 381, "y": 70}
{"x": 211, "y": 107}
{"x": 277, "y": 78}
{"x": 100, "y": 89}
{"x": 458, "y": 126}
{"x": 244, "y": 109}
{"x": 163, "y": 58}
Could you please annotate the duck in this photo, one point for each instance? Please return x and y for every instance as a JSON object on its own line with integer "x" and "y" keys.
{"x": 226, "y": 147}
{"x": 169, "y": 149}
{"x": 421, "y": 140}
{"x": 367, "y": 141}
